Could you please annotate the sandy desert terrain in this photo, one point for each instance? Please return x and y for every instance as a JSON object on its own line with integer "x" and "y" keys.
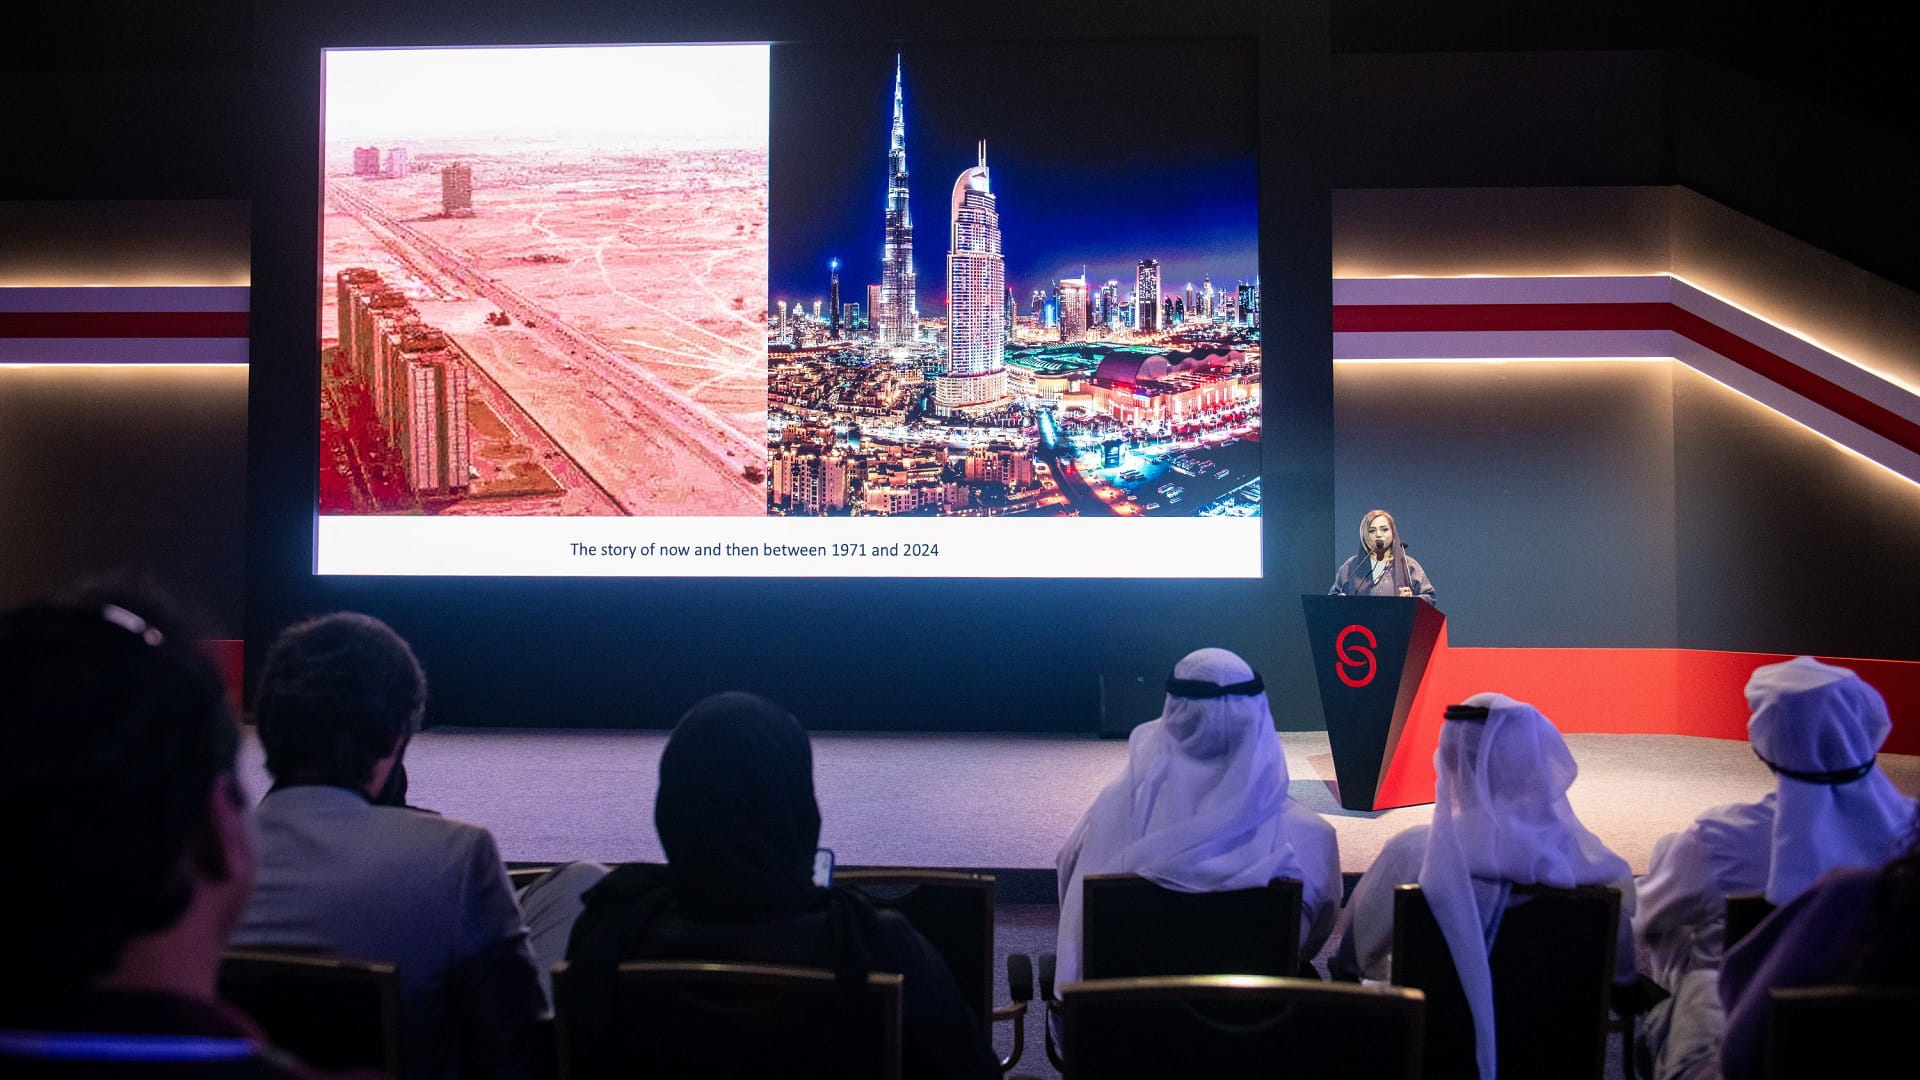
{"x": 634, "y": 283}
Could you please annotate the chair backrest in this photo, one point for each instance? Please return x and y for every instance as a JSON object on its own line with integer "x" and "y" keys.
{"x": 1744, "y": 912}
{"x": 673, "y": 1019}
{"x": 331, "y": 1012}
{"x": 1856, "y": 1032}
{"x": 952, "y": 909}
{"x": 1226, "y": 1027}
{"x": 1552, "y": 965}
{"x": 525, "y": 875}
{"x": 1132, "y": 927}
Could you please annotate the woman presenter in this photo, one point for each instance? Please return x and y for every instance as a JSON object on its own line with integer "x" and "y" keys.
{"x": 1383, "y": 567}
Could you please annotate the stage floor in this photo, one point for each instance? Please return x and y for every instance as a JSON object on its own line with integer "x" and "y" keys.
{"x": 992, "y": 801}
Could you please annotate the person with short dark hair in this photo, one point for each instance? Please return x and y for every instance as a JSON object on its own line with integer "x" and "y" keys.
{"x": 338, "y": 700}
{"x": 128, "y": 832}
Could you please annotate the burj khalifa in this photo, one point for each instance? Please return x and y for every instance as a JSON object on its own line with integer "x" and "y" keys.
{"x": 897, "y": 316}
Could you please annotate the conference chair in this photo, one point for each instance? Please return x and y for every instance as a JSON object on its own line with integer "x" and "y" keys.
{"x": 1552, "y": 965}
{"x": 1132, "y": 928}
{"x": 1744, "y": 912}
{"x": 1857, "y": 1032}
{"x": 331, "y": 1012}
{"x": 692, "y": 1018}
{"x": 953, "y": 910}
{"x": 1228, "y": 1027}
{"x": 522, "y": 875}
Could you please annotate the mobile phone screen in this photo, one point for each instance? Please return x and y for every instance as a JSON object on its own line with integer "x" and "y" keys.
{"x": 823, "y": 867}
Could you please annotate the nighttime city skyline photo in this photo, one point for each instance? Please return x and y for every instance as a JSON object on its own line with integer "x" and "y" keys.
{"x": 1013, "y": 279}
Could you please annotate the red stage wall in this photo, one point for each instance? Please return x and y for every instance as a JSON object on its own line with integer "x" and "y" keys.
{"x": 1617, "y": 691}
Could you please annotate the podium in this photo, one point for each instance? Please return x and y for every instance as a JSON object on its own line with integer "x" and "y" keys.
{"x": 1371, "y": 654}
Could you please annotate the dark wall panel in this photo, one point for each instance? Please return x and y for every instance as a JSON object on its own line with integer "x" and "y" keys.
{"x": 1539, "y": 497}
{"x": 1786, "y": 542}
{"x": 1838, "y": 182}
{"x": 137, "y": 242}
{"x": 1499, "y": 119}
{"x": 115, "y": 468}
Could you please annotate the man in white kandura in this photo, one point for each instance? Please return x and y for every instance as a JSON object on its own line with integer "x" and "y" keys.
{"x": 1203, "y": 807}
{"x": 1818, "y": 728}
{"x": 1500, "y": 819}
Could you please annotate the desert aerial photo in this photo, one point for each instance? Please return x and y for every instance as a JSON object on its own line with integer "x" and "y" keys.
{"x": 544, "y": 281}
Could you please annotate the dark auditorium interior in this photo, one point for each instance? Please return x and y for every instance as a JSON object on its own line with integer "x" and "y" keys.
{"x": 1713, "y": 455}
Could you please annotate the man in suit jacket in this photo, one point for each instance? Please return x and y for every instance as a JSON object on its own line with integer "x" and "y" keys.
{"x": 338, "y": 700}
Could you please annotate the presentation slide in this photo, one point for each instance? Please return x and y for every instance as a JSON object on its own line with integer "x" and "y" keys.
{"x": 831, "y": 310}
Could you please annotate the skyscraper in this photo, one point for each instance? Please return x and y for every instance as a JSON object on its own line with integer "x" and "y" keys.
{"x": 833, "y": 297}
{"x": 898, "y": 315}
{"x": 1073, "y": 308}
{"x": 976, "y": 299}
{"x": 1146, "y": 296}
{"x": 456, "y": 190}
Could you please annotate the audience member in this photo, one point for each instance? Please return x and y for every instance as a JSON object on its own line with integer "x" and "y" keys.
{"x": 1854, "y": 926}
{"x": 339, "y": 698}
{"x": 1500, "y": 818}
{"x": 737, "y": 818}
{"x": 1203, "y": 807}
{"x": 129, "y": 830}
{"x": 1817, "y": 727}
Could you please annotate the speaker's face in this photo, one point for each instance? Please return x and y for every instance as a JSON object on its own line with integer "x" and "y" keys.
{"x": 1380, "y": 532}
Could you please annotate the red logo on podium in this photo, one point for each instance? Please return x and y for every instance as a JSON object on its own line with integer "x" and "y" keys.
{"x": 1355, "y": 656}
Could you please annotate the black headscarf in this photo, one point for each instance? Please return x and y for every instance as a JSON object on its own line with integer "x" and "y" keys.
{"x": 736, "y": 811}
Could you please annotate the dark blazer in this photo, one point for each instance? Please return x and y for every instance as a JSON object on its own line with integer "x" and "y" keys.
{"x": 425, "y": 893}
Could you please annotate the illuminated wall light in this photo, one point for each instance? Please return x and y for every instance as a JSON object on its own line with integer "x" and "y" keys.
{"x": 211, "y": 365}
{"x": 1507, "y": 360}
{"x": 1523, "y": 276}
{"x": 1809, "y": 339}
{"x": 1766, "y": 408}
{"x": 1891, "y": 379}
{"x": 143, "y": 278}
{"x": 1769, "y": 410}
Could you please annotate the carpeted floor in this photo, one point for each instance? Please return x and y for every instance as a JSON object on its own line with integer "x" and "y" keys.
{"x": 993, "y": 801}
